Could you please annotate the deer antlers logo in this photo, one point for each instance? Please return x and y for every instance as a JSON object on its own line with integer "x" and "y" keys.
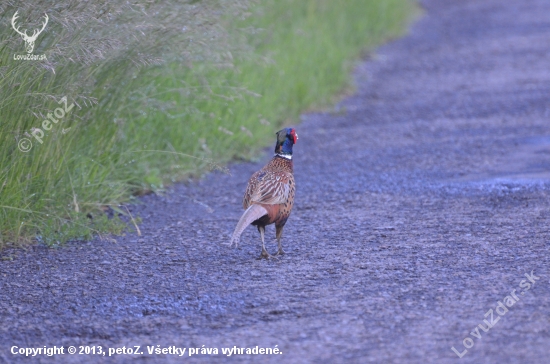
{"x": 29, "y": 40}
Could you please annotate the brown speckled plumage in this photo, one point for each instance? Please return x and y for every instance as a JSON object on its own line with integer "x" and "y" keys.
{"x": 269, "y": 196}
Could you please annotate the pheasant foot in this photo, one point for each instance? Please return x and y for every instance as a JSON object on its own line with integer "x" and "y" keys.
{"x": 231, "y": 243}
{"x": 266, "y": 255}
{"x": 280, "y": 252}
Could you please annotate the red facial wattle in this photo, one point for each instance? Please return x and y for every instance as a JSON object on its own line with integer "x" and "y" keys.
{"x": 294, "y": 135}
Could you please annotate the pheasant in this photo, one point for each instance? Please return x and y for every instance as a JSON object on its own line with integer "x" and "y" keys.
{"x": 269, "y": 196}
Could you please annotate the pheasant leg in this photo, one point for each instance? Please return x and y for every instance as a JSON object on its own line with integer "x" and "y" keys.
{"x": 264, "y": 253}
{"x": 279, "y": 234}
{"x": 280, "y": 251}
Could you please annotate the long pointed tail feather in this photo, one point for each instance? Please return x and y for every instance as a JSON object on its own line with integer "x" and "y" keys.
{"x": 254, "y": 212}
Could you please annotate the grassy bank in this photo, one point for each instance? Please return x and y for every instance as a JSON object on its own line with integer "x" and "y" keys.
{"x": 160, "y": 92}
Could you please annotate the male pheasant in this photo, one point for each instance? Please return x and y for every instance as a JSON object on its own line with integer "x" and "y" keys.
{"x": 269, "y": 196}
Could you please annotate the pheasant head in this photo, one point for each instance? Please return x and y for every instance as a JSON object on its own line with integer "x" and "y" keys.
{"x": 286, "y": 138}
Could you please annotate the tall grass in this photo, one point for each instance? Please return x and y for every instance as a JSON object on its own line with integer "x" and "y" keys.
{"x": 162, "y": 90}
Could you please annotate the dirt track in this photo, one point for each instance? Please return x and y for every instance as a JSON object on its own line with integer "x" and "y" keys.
{"x": 422, "y": 201}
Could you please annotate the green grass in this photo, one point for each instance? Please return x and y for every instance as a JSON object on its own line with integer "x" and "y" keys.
{"x": 175, "y": 91}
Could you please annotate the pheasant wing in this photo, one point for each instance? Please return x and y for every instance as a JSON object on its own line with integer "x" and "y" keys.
{"x": 252, "y": 186}
{"x": 270, "y": 188}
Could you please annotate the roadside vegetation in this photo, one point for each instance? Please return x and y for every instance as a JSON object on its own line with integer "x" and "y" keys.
{"x": 162, "y": 91}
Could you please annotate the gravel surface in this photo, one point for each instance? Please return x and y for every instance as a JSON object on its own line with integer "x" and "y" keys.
{"x": 422, "y": 201}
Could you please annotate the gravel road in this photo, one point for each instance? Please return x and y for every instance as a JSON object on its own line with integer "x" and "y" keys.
{"x": 422, "y": 201}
